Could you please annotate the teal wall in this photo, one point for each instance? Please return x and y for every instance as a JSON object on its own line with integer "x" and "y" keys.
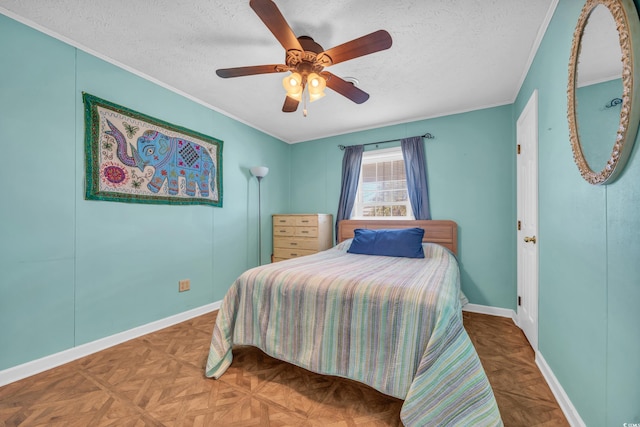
{"x": 471, "y": 174}
{"x": 589, "y": 250}
{"x": 73, "y": 271}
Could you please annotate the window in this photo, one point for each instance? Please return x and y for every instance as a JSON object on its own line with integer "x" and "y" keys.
{"x": 382, "y": 188}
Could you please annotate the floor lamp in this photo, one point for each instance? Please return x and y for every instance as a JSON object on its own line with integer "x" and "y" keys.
{"x": 259, "y": 172}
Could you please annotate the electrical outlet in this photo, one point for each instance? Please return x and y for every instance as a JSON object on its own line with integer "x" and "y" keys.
{"x": 184, "y": 285}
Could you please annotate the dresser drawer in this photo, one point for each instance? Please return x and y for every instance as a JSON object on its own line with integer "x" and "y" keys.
{"x": 306, "y": 231}
{"x": 283, "y": 220}
{"x": 291, "y": 253}
{"x": 280, "y": 230}
{"x": 294, "y": 243}
{"x": 307, "y": 220}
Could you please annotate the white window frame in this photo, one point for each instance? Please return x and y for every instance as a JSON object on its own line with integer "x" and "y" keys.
{"x": 378, "y": 156}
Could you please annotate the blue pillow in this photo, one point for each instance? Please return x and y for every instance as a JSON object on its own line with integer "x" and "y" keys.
{"x": 402, "y": 242}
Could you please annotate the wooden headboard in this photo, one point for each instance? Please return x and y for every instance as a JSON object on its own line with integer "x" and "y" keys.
{"x": 443, "y": 232}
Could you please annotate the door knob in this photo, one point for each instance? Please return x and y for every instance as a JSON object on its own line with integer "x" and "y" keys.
{"x": 530, "y": 239}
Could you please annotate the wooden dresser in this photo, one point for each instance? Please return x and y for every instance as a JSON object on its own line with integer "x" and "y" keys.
{"x": 297, "y": 235}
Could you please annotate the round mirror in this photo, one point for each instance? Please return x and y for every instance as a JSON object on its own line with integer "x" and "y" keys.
{"x": 603, "y": 108}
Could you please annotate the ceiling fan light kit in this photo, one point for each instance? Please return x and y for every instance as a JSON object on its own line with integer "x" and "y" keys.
{"x": 306, "y": 60}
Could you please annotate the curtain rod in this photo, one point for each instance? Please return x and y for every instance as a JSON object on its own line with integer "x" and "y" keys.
{"x": 426, "y": 135}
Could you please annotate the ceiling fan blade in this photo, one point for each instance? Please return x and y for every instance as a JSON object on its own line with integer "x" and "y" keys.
{"x": 345, "y": 88}
{"x": 269, "y": 13}
{"x": 290, "y": 105}
{"x": 249, "y": 71}
{"x": 374, "y": 42}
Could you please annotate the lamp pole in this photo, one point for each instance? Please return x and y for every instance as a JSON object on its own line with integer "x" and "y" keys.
{"x": 259, "y": 172}
{"x": 259, "y": 222}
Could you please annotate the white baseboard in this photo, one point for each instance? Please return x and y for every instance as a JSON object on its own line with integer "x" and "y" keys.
{"x": 567, "y": 407}
{"x": 28, "y": 369}
{"x": 493, "y": 311}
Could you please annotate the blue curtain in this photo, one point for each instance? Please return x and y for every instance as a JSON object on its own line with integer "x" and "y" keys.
{"x": 415, "y": 165}
{"x": 350, "y": 175}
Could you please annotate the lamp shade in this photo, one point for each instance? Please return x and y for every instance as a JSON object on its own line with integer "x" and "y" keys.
{"x": 316, "y": 85}
{"x": 293, "y": 84}
{"x": 259, "y": 171}
{"x": 316, "y": 82}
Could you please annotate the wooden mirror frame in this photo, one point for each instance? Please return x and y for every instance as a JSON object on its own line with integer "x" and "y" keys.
{"x": 626, "y": 17}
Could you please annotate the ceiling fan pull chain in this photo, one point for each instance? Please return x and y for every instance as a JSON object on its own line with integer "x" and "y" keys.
{"x": 304, "y": 102}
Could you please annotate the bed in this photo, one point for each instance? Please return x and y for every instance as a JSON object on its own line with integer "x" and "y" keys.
{"x": 391, "y": 322}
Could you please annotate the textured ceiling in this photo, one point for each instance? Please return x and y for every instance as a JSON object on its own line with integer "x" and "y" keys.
{"x": 448, "y": 56}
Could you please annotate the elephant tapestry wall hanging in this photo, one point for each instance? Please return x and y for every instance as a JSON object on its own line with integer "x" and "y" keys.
{"x": 134, "y": 158}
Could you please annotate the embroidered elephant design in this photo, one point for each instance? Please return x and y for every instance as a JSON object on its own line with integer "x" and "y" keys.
{"x": 171, "y": 158}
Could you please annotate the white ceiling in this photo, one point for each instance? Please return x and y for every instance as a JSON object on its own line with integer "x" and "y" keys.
{"x": 448, "y": 56}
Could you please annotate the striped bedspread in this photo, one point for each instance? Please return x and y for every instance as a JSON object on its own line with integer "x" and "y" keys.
{"x": 394, "y": 324}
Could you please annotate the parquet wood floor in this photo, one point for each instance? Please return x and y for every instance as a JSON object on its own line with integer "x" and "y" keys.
{"x": 158, "y": 380}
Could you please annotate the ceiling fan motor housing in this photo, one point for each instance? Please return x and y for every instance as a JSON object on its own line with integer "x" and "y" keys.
{"x": 307, "y": 61}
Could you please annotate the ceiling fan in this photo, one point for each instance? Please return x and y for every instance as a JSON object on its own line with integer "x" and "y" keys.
{"x": 306, "y": 60}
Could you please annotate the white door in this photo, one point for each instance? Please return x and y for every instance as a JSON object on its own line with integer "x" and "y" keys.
{"x": 527, "y": 246}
